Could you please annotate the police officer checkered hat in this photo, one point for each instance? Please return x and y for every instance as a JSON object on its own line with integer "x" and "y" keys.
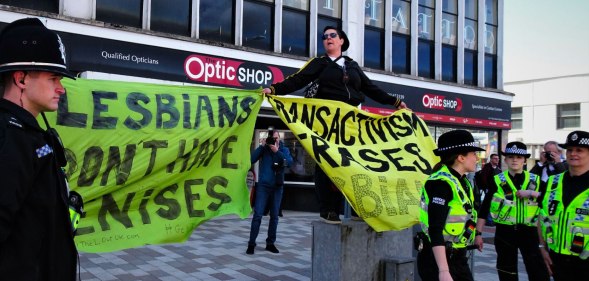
{"x": 456, "y": 142}
{"x": 26, "y": 44}
{"x": 576, "y": 138}
{"x": 516, "y": 148}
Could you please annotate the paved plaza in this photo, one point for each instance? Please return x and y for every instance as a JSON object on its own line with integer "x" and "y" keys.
{"x": 216, "y": 251}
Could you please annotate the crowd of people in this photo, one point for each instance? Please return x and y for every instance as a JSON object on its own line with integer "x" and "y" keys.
{"x": 543, "y": 213}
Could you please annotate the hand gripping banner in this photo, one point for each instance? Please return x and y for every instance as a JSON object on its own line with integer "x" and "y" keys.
{"x": 154, "y": 161}
{"x": 378, "y": 162}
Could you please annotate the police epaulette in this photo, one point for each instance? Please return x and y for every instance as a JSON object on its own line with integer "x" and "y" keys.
{"x": 14, "y": 122}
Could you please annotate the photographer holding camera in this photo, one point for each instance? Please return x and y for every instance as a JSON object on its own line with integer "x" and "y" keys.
{"x": 274, "y": 157}
{"x": 551, "y": 162}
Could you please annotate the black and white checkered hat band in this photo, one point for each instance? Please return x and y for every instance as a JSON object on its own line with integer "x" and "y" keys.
{"x": 516, "y": 151}
{"x": 470, "y": 144}
{"x": 584, "y": 141}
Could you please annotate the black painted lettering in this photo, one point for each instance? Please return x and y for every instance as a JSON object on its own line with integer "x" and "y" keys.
{"x": 226, "y": 111}
{"x": 154, "y": 145}
{"x": 226, "y": 151}
{"x": 90, "y": 166}
{"x": 134, "y": 101}
{"x": 172, "y": 207}
{"x": 222, "y": 197}
{"x": 145, "y": 218}
{"x": 122, "y": 169}
{"x": 109, "y": 206}
{"x": 67, "y": 118}
{"x": 166, "y": 105}
{"x": 191, "y": 197}
{"x": 99, "y": 122}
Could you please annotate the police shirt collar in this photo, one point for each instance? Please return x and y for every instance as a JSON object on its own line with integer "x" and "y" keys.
{"x": 20, "y": 113}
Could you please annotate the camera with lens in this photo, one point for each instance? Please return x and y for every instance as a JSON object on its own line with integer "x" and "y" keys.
{"x": 548, "y": 156}
{"x": 279, "y": 164}
{"x": 270, "y": 139}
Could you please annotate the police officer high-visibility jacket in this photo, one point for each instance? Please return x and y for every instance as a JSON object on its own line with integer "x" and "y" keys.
{"x": 565, "y": 230}
{"x": 508, "y": 209}
{"x": 459, "y": 227}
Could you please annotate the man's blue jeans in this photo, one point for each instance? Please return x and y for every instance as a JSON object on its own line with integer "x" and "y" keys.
{"x": 263, "y": 197}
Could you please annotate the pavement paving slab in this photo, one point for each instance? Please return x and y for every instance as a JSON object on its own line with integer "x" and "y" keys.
{"x": 216, "y": 252}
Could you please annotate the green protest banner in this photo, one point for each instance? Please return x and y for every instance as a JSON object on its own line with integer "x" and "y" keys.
{"x": 154, "y": 161}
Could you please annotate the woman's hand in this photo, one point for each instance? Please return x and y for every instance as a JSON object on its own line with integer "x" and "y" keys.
{"x": 547, "y": 259}
{"x": 267, "y": 91}
{"x": 444, "y": 275}
{"x": 478, "y": 241}
{"x": 527, "y": 194}
{"x": 402, "y": 105}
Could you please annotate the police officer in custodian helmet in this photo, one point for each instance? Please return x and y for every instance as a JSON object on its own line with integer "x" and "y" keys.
{"x": 36, "y": 230}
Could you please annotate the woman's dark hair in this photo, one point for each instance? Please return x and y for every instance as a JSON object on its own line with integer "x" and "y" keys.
{"x": 448, "y": 160}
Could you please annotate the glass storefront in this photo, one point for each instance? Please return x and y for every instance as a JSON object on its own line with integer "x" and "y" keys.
{"x": 302, "y": 170}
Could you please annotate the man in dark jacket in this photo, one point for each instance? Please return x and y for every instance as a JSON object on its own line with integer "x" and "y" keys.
{"x": 274, "y": 157}
{"x": 551, "y": 162}
{"x": 36, "y": 235}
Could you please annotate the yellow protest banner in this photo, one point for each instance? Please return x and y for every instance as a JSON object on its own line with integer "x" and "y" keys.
{"x": 154, "y": 161}
{"x": 378, "y": 162}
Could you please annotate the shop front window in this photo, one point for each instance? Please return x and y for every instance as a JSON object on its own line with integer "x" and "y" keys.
{"x": 302, "y": 169}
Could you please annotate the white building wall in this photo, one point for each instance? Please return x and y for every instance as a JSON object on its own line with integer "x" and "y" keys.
{"x": 539, "y": 99}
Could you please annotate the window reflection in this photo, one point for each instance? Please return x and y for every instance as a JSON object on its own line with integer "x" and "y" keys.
{"x": 171, "y": 16}
{"x": 258, "y": 25}
{"x": 295, "y": 27}
{"x": 128, "y": 12}
{"x": 51, "y": 6}
{"x": 299, "y": 4}
{"x": 425, "y": 59}
{"x": 373, "y": 48}
{"x": 470, "y": 68}
{"x": 216, "y": 20}
{"x": 401, "y": 53}
{"x": 330, "y": 8}
{"x": 374, "y": 34}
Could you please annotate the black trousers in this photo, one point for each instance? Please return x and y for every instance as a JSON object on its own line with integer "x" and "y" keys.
{"x": 510, "y": 238}
{"x": 565, "y": 267}
{"x": 329, "y": 197}
{"x": 457, "y": 263}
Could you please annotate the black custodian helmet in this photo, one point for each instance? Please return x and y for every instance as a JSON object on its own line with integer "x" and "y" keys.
{"x": 26, "y": 44}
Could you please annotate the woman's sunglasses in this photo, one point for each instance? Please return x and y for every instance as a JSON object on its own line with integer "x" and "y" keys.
{"x": 332, "y": 35}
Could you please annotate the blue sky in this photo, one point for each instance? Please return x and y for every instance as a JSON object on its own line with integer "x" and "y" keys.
{"x": 545, "y": 38}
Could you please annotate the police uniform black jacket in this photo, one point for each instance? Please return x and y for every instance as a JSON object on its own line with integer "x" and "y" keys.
{"x": 332, "y": 84}
{"x": 36, "y": 239}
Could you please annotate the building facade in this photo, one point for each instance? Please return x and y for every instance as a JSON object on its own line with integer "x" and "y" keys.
{"x": 547, "y": 109}
{"x": 444, "y": 58}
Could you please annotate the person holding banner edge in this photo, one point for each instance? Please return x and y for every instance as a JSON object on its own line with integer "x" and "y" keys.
{"x": 274, "y": 157}
{"x": 447, "y": 214}
{"x": 512, "y": 203}
{"x": 36, "y": 234}
{"x": 338, "y": 78}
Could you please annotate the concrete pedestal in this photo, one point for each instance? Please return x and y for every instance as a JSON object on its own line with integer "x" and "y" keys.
{"x": 353, "y": 251}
